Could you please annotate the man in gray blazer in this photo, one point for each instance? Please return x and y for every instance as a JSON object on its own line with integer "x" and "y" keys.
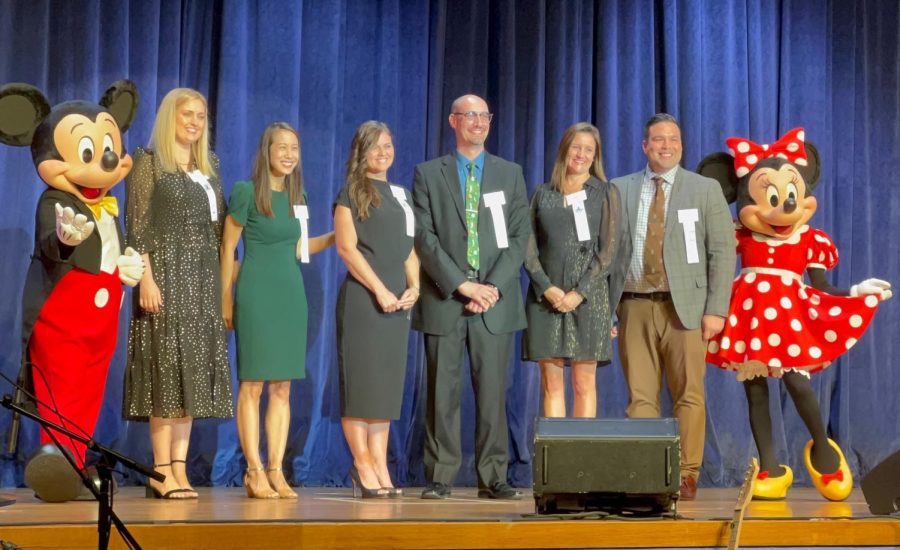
{"x": 472, "y": 228}
{"x": 674, "y": 276}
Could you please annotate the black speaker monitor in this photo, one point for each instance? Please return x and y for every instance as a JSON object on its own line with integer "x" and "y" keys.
{"x": 587, "y": 463}
{"x": 881, "y": 486}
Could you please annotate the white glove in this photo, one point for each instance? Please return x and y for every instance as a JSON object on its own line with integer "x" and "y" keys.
{"x": 131, "y": 267}
{"x": 72, "y": 229}
{"x": 872, "y": 286}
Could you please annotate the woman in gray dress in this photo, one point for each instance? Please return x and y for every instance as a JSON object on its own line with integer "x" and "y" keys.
{"x": 177, "y": 366}
{"x": 574, "y": 238}
{"x": 374, "y": 228}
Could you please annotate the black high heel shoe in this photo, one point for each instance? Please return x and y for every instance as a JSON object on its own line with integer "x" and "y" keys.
{"x": 191, "y": 492}
{"x": 174, "y": 494}
{"x": 364, "y": 492}
{"x": 393, "y": 492}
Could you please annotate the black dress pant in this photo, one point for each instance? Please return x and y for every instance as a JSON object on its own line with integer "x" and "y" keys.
{"x": 489, "y": 360}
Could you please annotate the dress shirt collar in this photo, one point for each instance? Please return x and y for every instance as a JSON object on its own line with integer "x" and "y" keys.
{"x": 462, "y": 163}
{"x": 668, "y": 176}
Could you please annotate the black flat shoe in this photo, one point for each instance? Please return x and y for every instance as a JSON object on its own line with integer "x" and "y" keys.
{"x": 436, "y": 491}
{"x": 500, "y": 490}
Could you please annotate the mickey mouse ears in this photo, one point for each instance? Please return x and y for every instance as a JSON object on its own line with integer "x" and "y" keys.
{"x": 22, "y": 108}
{"x": 121, "y": 100}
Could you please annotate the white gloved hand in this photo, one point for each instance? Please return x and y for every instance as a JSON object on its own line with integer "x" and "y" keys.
{"x": 131, "y": 267}
{"x": 880, "y": 288}
{"x": 72, "y": 229}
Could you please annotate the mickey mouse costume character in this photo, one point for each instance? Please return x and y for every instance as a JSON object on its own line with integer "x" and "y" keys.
{"x": 73, "y": 289}
{"x": 779, "y": 326}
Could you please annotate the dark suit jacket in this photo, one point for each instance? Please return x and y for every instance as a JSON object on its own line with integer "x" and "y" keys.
{"x": 697, "y": 288}
{"x": 441, "y": 244}
{"x": 51, "y": 259}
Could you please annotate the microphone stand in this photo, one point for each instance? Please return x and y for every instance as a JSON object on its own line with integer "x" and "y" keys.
{"x": 106, "y": 517}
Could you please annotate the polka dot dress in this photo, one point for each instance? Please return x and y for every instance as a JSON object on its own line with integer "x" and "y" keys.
{"x": 777, "y": 322}
{"x": 177, "y": 362}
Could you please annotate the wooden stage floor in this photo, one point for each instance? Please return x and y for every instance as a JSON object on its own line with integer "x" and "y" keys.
{"x": 329, "y": 518}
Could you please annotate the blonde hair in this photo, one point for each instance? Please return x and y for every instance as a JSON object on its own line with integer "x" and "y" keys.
{"x": 162, "y": 139}
{"x": 361, "y": 191}
{"x": 558, "y": 176}
{"x": 293, "y": 182}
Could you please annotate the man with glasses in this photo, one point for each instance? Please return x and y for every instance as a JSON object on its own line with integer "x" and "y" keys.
{"x": 472, "y": 227}
{"x": 676, "y": 270}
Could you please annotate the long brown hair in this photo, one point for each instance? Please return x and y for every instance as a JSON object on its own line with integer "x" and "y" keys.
{"x": 293, "y": 182}
{"x": 362, "y": 192}
{"x": 558, "y": 176}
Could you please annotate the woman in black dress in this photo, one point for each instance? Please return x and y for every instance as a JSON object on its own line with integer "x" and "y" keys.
{"x": 574, "y": 238}
{"x": 177, "y": 366}
{"x": 374, "y": 228}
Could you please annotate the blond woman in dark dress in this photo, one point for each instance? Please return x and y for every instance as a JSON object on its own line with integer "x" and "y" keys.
{"x": 574, "y": 238}
{"x": 177, "y": 366}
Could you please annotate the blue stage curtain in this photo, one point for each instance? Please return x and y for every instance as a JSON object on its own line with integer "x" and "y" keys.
{"x": 723, "y": 67}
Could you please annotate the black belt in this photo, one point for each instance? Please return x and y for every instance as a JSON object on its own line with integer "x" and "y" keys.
{"x": 472, "y": 274}
{"x": 652, "y": 296}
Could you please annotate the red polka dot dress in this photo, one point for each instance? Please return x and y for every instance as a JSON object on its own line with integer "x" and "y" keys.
{"x": 776, "y": 322}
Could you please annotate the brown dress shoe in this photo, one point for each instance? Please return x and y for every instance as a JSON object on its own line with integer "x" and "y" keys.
{"x": 688, "y": 488}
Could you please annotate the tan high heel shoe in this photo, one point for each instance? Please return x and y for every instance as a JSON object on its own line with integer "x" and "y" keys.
{"x": 284, "y": 489}
{"x": 252, "y": 491}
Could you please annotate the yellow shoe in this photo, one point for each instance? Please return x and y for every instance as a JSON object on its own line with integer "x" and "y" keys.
{"x": 766, "y": 487}
{"x": 833, "y": 486}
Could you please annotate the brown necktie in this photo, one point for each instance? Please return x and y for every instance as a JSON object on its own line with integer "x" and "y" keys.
{"x": 654, "y": 269}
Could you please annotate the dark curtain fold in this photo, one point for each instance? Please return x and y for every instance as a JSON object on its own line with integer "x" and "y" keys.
{"x": 733, "y": 67}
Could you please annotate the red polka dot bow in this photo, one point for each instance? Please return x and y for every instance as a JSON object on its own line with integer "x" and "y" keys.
{"x": 747, "y": 154}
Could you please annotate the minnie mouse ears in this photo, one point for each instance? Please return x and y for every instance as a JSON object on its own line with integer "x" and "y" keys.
{"x": 744, "y": 156}
{"x": 23, "y": 107}
{"x": 720, "y": 167}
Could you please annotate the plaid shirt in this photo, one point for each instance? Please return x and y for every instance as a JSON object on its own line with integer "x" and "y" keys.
{"x": 634, "y": 281}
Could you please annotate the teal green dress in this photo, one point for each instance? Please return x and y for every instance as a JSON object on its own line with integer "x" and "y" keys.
{"x": 270, "y": 312}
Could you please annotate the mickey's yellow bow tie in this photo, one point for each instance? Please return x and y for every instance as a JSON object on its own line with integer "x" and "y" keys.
{"x": 106, "y": 203}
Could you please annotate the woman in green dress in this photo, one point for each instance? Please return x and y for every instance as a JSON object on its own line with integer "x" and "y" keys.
{"x": 374, "y": 227}
{"x": 573, "y": 244}
{"x": 268, "y": 310}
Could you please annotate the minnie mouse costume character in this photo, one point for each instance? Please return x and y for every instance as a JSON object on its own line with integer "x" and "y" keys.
{"x": 73, "y": 289}
{"x": 778, "y": 326}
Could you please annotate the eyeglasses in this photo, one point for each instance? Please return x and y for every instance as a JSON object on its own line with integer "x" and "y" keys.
{"x": 470, "y": 116}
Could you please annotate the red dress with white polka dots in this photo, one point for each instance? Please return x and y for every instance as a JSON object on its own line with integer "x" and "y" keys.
{"x": 777, "y": 322}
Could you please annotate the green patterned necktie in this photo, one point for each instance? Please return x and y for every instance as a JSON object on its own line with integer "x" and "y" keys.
{"x": 473, "y": 195}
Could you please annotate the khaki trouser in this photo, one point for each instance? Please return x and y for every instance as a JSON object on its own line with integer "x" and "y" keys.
{"x": 653, "y": 340}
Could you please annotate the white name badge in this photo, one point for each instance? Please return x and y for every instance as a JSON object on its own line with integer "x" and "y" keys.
{"x": 301, "y": 212}
{"x": 400, "y": 194}
{"x": 688, "y": 219}
{"x": 576, "y": 201}
{"x": 198, "y": 177}
{"x": 494, "y": 202}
